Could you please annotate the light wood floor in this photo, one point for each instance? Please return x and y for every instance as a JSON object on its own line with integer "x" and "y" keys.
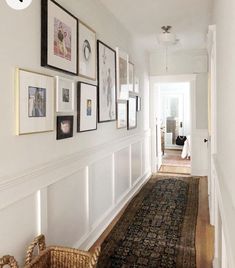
{"x": 204, "y": 231}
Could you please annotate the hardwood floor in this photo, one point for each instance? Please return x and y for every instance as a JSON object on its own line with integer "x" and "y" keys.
{"x": 204, "y": 231}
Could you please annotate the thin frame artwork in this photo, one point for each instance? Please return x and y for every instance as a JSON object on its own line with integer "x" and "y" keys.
{"x": 138, "y": 103}
{"x": 64, "y": 95}
{"x": 130, "y": 110}
{"x": 131, "y": 76}
{"x": 63, "y": 48}
{"x": 64, "y": 127}
{"x": 37, "y": 108}
{"x": 87, "y": 51}
{"x": 119, "y": 124}
{"x": 89, "y": 107}
{"x": 107, "y": 83}
{"x": 122, "y": 74}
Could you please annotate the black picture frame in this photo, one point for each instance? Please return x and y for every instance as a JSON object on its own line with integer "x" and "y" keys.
{"x": 44, "y": 38}
{"x": 80, "y": 113}
{"x": 129, "y": 110}
{"x": 99, "y": 44}
{"x": 59, "y": 133}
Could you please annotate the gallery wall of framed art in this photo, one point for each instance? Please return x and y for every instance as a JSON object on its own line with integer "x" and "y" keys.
{"x": 69, "y": 45}
{"x": 107, "y": 83}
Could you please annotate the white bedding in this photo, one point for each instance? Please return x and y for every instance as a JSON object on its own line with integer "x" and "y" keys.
{"x": 186, "y": 152}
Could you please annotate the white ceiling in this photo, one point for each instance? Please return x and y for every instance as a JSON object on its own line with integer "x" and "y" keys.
{"x": 144, "y": 18}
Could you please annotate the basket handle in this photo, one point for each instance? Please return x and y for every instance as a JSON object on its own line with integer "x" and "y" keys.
{"x": 8, "y": 260}
{"x": 39, "y": 242}
{"x": 94, "y": 257}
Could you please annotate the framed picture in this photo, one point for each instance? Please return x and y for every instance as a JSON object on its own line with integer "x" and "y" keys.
{"x": 87, "y": 52}
{"x": 122, "y": 74}
{"x": 131, "y": 112}
{"x": 64, "y": 127}
{"x": 34, "y": 102}
{"x": 131, "y": 77}
{"x": 64, "y": 95}
{"x": 137, "y": 85}
{"x": 87, "y": 107}
{"x": 138, "y": 103}
{"x": 59, "y": 38}
{"x": 107, "y": 83}
{"x": 121, "y": 114}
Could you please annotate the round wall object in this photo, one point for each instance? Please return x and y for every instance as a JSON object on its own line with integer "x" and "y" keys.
{"x": 19, "y": 4}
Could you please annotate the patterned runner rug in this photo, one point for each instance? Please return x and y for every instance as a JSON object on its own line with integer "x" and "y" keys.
{"x": 157, "y": 229}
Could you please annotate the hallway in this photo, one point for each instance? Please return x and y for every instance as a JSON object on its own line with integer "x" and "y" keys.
{"x": 96, "y": 97}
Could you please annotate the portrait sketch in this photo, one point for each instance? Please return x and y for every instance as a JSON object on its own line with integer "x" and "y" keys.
{"x": 123, "y": 86}
{"x": 36, "y": 102}
{"x": 62, "y": 39}
{"x": 89, "y": 107}
{"x": 107, "y": 83}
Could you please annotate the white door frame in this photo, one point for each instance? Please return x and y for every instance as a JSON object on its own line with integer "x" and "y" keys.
{"x": 156, "y": 158}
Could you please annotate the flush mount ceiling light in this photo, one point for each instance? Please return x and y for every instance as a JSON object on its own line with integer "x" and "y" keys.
{"x": 166, "y": 38}
{"x": 19, "y": 4}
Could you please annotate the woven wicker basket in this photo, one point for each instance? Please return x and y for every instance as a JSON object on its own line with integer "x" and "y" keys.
{"x": 59, "y": 257}
{"x": 8, "y": 260}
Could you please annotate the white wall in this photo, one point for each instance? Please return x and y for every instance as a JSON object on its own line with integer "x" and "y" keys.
{"x": 186, "y": 62}
{"x": 70, "y": 189}
{"x": 224, "y": 19}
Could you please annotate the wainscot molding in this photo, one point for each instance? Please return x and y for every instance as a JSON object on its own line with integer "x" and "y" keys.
{"x": 90, "y": 238}
{"x": 15, "y": 187}
{"x": 227, "y": 212}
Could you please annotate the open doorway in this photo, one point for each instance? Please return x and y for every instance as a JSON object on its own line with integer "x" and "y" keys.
{"x": 175, "y": 127}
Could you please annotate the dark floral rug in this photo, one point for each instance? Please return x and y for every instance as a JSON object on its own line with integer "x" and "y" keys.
{"x": 157, "y": 229}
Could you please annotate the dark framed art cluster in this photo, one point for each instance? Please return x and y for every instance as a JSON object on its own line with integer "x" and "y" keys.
{"x": 45, "y": 103}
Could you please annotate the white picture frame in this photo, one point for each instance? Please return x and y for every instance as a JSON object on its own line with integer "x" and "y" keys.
{"x": 137, "y": 85}
{"x": 122, "y": 74}
{"x": 35, "y": 109}
{"x": 121, "y": 114}
{"x": 64, "y": 95}
{"x": 132, "y": 112}
{"x": 87, "y": 52}
{"x": 86, "y": 107}
{"x": 131, "y": 71}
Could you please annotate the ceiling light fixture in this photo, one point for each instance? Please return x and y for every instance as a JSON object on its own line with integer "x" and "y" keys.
{"x": 166, "y": 39}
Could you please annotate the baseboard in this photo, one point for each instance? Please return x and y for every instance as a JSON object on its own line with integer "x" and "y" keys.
{"x": 88, "y": 240}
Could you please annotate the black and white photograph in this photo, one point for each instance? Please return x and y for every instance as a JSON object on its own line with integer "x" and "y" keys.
{"x": 64, "y": 95}
{"x": 107, "y": 83}
{"x": 64, "y": 127}
{"x": 87, "y": 51}
{"x": 37, "y": 102}
{"x": 131, "y": 112}
{"x": 86, "y": 107}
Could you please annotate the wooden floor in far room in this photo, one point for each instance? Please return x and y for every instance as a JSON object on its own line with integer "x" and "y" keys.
{"x": 204, "y": 232}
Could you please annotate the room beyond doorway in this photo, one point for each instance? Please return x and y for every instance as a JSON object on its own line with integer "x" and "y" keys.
{"x": 175, "y": 127}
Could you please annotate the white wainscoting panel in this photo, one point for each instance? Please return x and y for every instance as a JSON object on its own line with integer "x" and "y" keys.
{"x": 72, "y": 200}
{"x": 101, "y": 188}
{"x": 122, "y": 173}
{"x": 67, "y": 210}
{"x": 136, "y": 162}
{"x": 18, "y": 224}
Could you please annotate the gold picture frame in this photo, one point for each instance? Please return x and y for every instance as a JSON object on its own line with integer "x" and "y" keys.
{"x": 34, "y": 102}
